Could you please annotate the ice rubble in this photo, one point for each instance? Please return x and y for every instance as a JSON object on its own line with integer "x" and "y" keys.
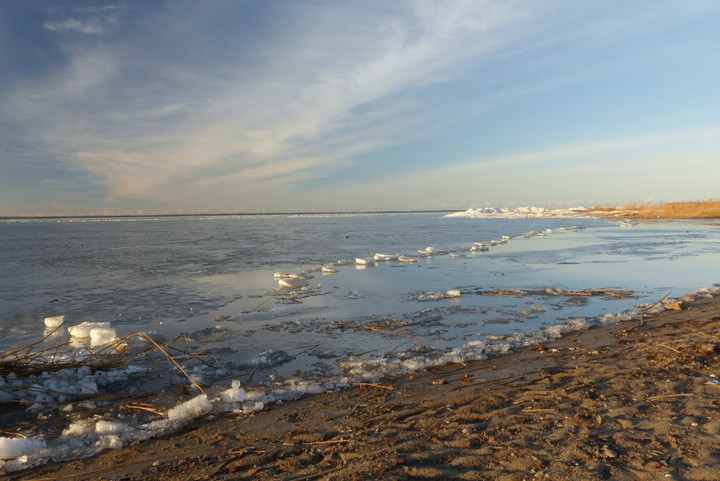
{"x": 99, "y": 333}
{"x": 521, "y": 212}
{"x": 88, "y": 436}
{"x": 436, "y": 296}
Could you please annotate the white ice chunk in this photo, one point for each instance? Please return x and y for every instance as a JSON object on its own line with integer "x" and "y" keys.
{"x": 80, "y": 428}
{"x": 56, "y": 321}
{"x": 233, "y": 395}
{"x": 54, "y": 332}
{"x": 290, "y": 282}
{"x": 109, "y": 427}
{"x": 99, "y": 336}
{"x": 83, "y": 329}
{"x": 11, "y": 448}
{"x": 196, "y": 407}
{"x": 364, "y": 261}
{"x": 253, "y": 407}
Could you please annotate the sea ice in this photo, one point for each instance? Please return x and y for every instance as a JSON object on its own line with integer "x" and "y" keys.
{"x": 53, "y": 322}
{"x": 195, "y": 407}
{"x": 83, "y": 329}
{"x": 100, "y": 336}
{"x": 110, "y": 427}
{"x": 385, "y": 257}
{"x": 233, "y": 395}
{"x": 15, "y": 447}
{"x": 292, "y": 282}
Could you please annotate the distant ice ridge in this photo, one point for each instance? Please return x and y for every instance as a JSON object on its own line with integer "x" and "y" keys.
{"x": 521, "y": 212}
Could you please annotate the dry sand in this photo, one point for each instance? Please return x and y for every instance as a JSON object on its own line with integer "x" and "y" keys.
{"x": 622, "y": 402}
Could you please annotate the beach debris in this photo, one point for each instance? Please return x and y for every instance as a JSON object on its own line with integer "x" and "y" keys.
{"x": 372, "y": 384}
{"x": 607, "y": 452}
{"x": 675, "y": 306}
{"x": 439, "y": 382}
{"x": 533, "y": 310}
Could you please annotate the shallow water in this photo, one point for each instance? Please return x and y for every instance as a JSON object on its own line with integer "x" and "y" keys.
{"x": 211, "y": 279}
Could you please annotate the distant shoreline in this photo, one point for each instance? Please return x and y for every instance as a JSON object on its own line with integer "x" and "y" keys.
{"x": 224, "y": 214}
{"x": 672, "y": 210}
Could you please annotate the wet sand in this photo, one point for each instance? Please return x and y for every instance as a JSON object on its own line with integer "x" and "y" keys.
{"x": 628, "y": 401}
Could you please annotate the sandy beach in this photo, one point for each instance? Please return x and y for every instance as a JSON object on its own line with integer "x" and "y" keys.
{"x": 628, "y": 401}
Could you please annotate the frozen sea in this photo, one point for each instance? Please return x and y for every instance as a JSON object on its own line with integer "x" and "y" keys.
{"x": 245, "y": 298}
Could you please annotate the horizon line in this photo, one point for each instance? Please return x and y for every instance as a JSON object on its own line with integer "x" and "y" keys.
{"x": 110, "y": 216}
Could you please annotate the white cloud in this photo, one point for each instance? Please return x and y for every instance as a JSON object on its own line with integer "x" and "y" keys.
{"x": 75, "y": 25}
{"x": 94, "y": 20}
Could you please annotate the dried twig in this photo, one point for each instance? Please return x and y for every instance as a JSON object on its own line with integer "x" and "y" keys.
{"x": 367, "y": 384}
{"x": 171, "y": 359}
{"x": 312, "y": 443}
{"x": 663, "y": 396}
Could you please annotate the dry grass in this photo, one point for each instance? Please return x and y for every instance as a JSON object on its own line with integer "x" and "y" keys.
{"x": 680, "y": 210}
{"x": 29, "y": 368}
{"x": 674, "y": 210}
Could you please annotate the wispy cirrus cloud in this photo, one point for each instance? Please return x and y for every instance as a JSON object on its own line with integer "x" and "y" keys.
{"x": 630, "y": 169}
{"x": 84, "y": 19}
{"x": 296, "y": 116}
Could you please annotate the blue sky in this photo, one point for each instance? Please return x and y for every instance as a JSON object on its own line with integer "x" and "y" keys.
{"x": 123, "y": 107}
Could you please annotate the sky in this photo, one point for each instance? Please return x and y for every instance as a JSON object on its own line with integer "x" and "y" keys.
{"x": 219, "y": 106}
